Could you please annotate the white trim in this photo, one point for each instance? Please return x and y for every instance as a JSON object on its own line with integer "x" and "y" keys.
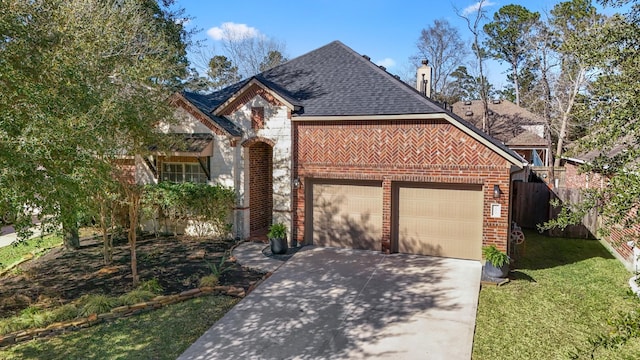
{"x": 205, "y": 116}
{"x": 368, "y": 117}
{"x": 515, "y": 161}
{"x": 246, "y": 86}
{"x": 579, "y": 161}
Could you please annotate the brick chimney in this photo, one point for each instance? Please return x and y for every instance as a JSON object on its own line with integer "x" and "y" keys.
{"x": 423, "y": 80}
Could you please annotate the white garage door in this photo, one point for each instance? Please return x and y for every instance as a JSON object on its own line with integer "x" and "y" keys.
{"x": 439, "y": 221}
{"x": 347, "y": 215}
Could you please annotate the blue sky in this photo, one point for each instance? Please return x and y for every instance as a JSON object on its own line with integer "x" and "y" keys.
{"x": 387, "y": 31}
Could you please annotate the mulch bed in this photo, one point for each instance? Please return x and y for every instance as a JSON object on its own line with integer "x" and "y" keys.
{"x": 62, "y": 276}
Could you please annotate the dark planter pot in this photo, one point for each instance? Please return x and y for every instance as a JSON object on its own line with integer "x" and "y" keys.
{"x": 496, "y": 272}
{"x": 278, "y": 246}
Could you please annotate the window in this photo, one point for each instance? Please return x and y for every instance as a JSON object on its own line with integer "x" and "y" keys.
{"x": 183, "y": 172}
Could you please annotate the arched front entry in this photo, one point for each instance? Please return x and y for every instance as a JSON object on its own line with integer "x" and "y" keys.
{"x": 260, "y": 188}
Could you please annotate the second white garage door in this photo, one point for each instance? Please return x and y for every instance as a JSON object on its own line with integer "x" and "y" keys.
{"x": 347, "y": 215}
{"x": 439, "y": 221}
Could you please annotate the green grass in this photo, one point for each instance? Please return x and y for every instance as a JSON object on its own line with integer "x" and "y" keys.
{"x": 564, "y": 293}
{"x": 12, "y": 253}
{"x": 159, "y": 334}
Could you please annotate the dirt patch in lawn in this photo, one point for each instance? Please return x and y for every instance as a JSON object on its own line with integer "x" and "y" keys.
{"x": 62, "y": 276}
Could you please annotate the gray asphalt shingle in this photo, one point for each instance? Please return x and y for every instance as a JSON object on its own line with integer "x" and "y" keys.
{"x": 334, "y": 80}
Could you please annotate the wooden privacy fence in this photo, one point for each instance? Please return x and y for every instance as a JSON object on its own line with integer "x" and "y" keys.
{"x": 531, "y": 205}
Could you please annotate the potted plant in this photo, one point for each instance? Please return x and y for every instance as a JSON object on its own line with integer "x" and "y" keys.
{"x": 278, "y": 238}
{"x": 497, "y": 262}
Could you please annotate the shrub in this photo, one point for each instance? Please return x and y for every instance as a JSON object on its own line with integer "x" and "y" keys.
{"x": 152, "y": 286}
{"x": 496, "y": 257}
{"x": 136, "y": 296}
{"x": 97, "y": 304}
{"x": 63, "y": 313}
{"x": 182, "y": 202}
{"x": 219, "y": 269}
{"x": 209, "y": 281}
{"x": 277, "y": 231}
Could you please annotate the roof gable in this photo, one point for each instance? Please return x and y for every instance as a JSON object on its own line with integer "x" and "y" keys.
{"x": 336, "y": 82}
{"x": 196, "y": 105}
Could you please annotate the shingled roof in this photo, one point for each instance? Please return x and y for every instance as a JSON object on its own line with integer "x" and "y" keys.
{"x": 334, "y": 80}
{"x": 507, "y": 121}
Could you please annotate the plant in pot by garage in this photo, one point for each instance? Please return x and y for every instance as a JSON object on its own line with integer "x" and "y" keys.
{"x": 278, "y": 238}
{"x": 497, "y": 262}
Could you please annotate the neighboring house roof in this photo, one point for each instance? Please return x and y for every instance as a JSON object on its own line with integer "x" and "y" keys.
{"x": 527, "y": 138}
{"x": 334, "y": 82}
{"x": 619, "y": 146}
{"x": 506, "y": 121}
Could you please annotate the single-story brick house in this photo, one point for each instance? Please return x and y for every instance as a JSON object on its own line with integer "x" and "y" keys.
{"x": 346, "y": 155}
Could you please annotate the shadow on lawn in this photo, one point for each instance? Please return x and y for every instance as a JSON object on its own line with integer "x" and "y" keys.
{"x": 160, "y": 334}
{"x": 543, "y": 252}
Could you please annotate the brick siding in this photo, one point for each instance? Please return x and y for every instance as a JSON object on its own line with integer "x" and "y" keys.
{"x": 260, "y": 186}
{"x": 573, "y": 179}
{"x": 246, "y": 96}
{"x": 425, "y": 151}
{"x": 618, "y": 235}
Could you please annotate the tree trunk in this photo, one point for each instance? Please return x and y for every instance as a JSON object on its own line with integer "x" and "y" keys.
{"x": 561, "y": 136}
{"x": 107, "y": 250}
{"x": 134, "y": 207}
{"x": 516, "y": 85}
{"x": 71, "y": 238}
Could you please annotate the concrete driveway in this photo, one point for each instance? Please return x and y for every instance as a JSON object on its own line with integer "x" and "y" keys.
{"x": 327, "y": 303}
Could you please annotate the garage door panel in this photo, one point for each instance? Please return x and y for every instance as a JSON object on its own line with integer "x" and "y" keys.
{"x": 441, "y": 222}
{"x": 347, "y": 215}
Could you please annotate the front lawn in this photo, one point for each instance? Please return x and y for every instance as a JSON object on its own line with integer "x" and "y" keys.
{"x": 561, "y": 295}
{"x": 14, "y": 252}
{"x": 161, "y": 334}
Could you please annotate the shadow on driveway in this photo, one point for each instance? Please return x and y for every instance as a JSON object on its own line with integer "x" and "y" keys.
{"x": 339, "y": 303}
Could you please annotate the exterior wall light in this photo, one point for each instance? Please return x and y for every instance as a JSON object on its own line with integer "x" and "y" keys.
{"x": 496, "y": 191}
{"x": 296, "y": 183}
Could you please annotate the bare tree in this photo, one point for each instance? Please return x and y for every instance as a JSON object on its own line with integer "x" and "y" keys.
{"x": 440, "y": 43}
{"x": 474, "y": 17}
{"x": 248, "y": 53}
{"x": 241, "y": 57}
{"x": 571, "y": 22}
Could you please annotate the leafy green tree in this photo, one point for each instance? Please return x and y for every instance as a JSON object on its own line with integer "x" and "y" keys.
{"x": 614, "y": 49}
{"x": 222, "y": 72}
{"x": 463, "y": 86}
{"x": 84, "y": 82}
{"x": 272, "y": 59}
{"x": 508, "y": 39}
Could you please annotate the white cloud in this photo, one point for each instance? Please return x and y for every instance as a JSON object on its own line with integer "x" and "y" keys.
{"x": 474, "y": 7}
{"x": 386, "y": 62}
{"x": 233, "y": 31}
{"x": 182, "y": 21}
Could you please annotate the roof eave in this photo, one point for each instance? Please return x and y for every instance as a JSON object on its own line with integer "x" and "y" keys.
{"x": 217, "y": 111}
{"x": 191, "y": 108}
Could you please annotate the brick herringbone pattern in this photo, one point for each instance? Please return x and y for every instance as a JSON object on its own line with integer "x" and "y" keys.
{"x": 249, "y": 94}
{"x": 405, "y": 144}
{"x": 420, "y": 151}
